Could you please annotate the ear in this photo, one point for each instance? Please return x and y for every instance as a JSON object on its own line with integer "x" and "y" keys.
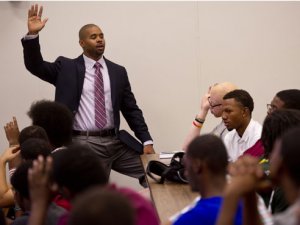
{"x": 82, "y": 44}
{"x": 246, "y": 111}
{"x": 198, "y": 166}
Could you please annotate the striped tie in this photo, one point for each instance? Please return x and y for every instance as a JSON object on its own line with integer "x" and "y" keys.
{"x": 100, "y": 113}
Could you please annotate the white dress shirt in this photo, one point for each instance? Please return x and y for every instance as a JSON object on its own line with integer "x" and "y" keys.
{"x": 237, "y": 145}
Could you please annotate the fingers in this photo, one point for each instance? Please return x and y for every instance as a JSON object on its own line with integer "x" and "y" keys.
{"x": 34, "y": 11}
{"x": 40, "y": 13}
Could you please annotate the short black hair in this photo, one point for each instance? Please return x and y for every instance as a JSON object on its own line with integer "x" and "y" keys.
{"x": 241, "y": 96}
{"x": 275, "y": 124}
{"x": 55, "y": 118}
{"x": 100, "y": 206}
{"x": 19, "y": 179}
{"x": 33, "y": 147}
{"x": 83, "y": 29}
{"x": 210, "y": 149}
{"x": 290, "y": 153}
{"x": 290, "y": 97}
{"x": 77, "y": 168}
{"x": 32, "y": 131}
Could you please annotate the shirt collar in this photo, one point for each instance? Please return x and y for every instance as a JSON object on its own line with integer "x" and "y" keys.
{"x": 247, "y": 132}
{"x": 89, "y": 63}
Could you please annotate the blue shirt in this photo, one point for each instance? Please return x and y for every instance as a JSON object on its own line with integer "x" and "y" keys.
{"x": 206, "y": 212}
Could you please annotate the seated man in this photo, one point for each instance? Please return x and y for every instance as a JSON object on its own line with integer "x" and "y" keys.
{"x": 288, "y": 99}
{"x": 249, "y": 177}
{"x": 245, "y": 132}
{"x": 206, "y": 165}
{"x": 212, "y": 100}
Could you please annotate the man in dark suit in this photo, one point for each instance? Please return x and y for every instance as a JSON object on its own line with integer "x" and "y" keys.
{"x": 95, "y": 90}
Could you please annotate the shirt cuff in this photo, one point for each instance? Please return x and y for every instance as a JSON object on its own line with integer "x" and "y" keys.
{"x": 150, "y": 142}
{"x": 30, "y": 36}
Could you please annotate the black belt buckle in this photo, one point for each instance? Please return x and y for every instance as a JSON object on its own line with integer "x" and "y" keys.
{"x": 100, "y": 133}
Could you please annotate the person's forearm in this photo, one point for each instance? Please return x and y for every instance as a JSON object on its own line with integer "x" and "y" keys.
{"x": 228, "y": 209}
{"x": 3, "y": 182}
{"x": 38, "y": 213}
{"x": 250, "y": 212}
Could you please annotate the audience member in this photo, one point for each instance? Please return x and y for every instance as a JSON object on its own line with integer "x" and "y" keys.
{"x": 212, "y": 100}
{"x": 250, "y": 176}
{"x": 237, "y": 117}
{"x": 19, "y": 182}
{"x": 32, "y": 132}
{"x": 55, "y": 118}
{"x": 75, "y": 169}
{"x": 206, "y": 163}
{"x": 289, "y": 99}
{"x": 275, "y": 124}
{"x": 97, "y": 206}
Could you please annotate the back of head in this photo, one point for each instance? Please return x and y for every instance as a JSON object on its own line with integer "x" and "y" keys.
{"x": 241, "y": 96}
{"x": 55, "y": 118}
{"x": 290, "y": 152}
{"x": 102, "y": 207}
{"x": 33, "y": 147}
{"x": 19, "y": 179}
{"x": 221, "y": 89}
{"x": 275, "y": 124}
{"x": 78, "y": 168}
{"x": 210, "y": 149}
{"x": 290, "y": 97}
{"x": 32, "y": 132}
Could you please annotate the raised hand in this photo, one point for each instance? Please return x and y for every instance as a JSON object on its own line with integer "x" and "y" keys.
{"x": 12, "y": 132}
{"x": 35, "y": 22}
{"x": 10, "y": 154}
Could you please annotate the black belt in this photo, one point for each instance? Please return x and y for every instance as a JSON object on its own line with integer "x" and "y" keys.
{"x": 101, "y": 133}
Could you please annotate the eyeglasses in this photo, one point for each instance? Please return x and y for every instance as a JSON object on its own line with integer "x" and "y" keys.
{"x": 271, "y": 108}
{"x": 211, "y": 105}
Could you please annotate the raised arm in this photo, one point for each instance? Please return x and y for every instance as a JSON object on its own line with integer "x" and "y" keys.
{"x": 12, "y": 135}
{"x": 35, "y": 22}
{"x": 196, "y": 126}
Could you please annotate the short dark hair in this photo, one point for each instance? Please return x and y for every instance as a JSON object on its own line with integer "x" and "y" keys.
{"x": 241, "y": 96}
{"x": 77, "y": 168}
{"x": 55, "y": 118}
{"x": 32, "y": 131}
{"x": 19, "y": 179}
{"x": 33, "y": 147}
{"x": 210, "y": 149}
{"x": 83, "y": 29}
{"x": 290, "y": 153}
{"x": 275, "y": 124}
{"x": 95, "y": 207}
{"x": 290, "y": 97}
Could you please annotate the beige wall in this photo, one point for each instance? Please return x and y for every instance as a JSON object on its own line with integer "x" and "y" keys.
{"x": 172, "y": 51}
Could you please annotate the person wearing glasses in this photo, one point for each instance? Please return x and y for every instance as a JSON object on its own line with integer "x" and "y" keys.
{"x": 212, "y": 101}
{"x": 288, "y": 99}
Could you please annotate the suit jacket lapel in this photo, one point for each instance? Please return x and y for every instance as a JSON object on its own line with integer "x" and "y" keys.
{"x": 113, "y": 81}
{"x": 80, "y": 74}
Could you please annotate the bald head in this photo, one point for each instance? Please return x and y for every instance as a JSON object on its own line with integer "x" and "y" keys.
{"x": 82, "y": 31}
{"x": 222, "y": 89}
{"x": 217, "y": 93}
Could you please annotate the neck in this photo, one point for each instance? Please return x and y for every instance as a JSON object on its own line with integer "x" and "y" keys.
{"x": 96, "y": 58}
{"x": 212, "y": 187}
{"x": 243, "y": 127}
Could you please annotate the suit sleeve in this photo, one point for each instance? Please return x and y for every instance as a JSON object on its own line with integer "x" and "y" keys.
{"x": 35, "y": 64}
{"x": 133, "y": 114}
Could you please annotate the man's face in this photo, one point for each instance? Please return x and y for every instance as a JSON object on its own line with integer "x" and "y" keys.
{"x": 276, "y": 103}
{"x": 233, "y": 114}
{"x": 215, "y": 103}
{"x": 93, "y": 43}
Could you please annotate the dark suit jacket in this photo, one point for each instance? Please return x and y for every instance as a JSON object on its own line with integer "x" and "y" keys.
{"x": 67, "y": 75}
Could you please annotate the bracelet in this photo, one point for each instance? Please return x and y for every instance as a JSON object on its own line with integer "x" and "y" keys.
{"x": 199, "y": 120}
{"x": 196, "y": 125}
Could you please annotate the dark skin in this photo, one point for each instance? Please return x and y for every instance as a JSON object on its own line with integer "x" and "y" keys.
{"x": 92, "y": 42}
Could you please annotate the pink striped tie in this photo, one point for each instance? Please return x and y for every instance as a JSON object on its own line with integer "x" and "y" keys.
{"x": 100, "y": 113}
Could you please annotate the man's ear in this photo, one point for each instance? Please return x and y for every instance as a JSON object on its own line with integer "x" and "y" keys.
{"x": 81, "y": 42}
{"x": 197, "y": 166}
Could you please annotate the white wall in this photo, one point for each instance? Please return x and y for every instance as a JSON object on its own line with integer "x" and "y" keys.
{"x": 172, "y": 51}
